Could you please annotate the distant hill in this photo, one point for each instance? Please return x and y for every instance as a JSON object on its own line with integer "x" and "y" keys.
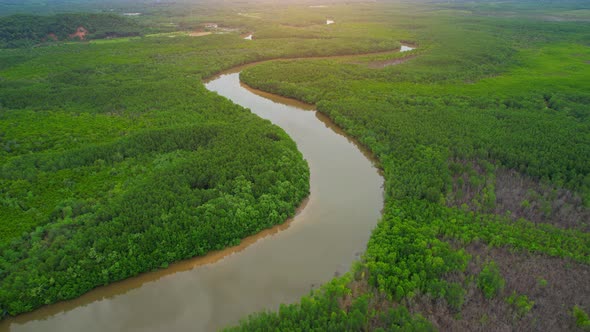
{"x": 27, "y": 30}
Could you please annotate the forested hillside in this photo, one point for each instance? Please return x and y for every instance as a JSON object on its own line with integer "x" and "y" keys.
{"x": 484, "y": 137}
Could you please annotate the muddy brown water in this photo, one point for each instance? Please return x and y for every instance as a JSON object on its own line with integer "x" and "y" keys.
{"x": 277, "y": 266}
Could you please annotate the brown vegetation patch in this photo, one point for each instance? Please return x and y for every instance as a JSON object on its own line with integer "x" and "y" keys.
{"x": 80, "y": 33}
{"x": 481, "y": 187}
{"x": 378, "y": 301}
{"x": 527, "y": 198}
{"x": 390, "y": 62}
{"x": 52, "y": 36}
{"x": 478, "y": 314}
{"x": 555, "y": 285}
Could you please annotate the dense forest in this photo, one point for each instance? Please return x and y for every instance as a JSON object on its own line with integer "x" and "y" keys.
{"x": 28, "y": 30}
{"x": 116, "y": 160}
{"x": 485, "y": 145}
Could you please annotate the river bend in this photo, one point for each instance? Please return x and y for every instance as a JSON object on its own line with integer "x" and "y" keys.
{"x": 277, "y": 266}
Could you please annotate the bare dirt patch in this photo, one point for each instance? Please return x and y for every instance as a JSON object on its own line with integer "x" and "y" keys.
{"x": 80, "y": 33}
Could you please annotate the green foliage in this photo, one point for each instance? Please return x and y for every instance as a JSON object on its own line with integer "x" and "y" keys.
{"x": 395, "y": 110}
{"x": 27, "y": 30}
{"x": 582, "y": 320}
{"x": 196, "y": 194}
{"x": 455, "y": 296}
{"x": 453, "y": 293}
{"x": 324, "y": 310}
{"x": 487, "y": 98}
{"x": 115, "y": 160}
{"x": 404, "y": 256}
{"x": 490, "y": 281}
{"x": 542, "y": 282}
{"x": 521, "y": 304}
{"x": 509, "y": 96}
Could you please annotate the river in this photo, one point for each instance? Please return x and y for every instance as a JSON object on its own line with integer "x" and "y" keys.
{"x": 277, "y": 266}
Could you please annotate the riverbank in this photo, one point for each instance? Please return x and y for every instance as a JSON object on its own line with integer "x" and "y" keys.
{"x": 337, "y": 168}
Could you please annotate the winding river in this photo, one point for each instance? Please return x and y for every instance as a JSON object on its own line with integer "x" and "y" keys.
{"x": 277, "y": 266}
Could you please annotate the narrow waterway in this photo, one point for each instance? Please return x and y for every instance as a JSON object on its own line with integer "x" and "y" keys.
{"x": 277, "y": 266}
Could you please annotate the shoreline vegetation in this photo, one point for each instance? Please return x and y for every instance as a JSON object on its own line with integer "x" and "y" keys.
{"x": 454, "y": 222}
{"x": 142, "y": 159}
{"x": 484, "y": 142}
{"x": 219, "y": 254}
